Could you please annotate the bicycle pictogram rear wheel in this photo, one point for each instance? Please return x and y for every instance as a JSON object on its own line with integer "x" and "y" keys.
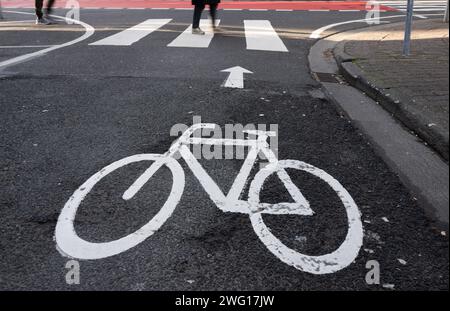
{"x": 72, "y": 245}
{"x": 329, "y": 263}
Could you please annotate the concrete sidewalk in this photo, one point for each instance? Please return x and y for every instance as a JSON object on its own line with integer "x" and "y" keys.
{"x": 414, "y": 89}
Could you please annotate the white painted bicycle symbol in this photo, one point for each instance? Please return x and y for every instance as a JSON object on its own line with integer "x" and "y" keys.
{"x": 72, "y": 245}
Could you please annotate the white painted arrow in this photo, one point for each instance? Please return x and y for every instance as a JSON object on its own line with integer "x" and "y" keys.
{"x": 236, "y": 77}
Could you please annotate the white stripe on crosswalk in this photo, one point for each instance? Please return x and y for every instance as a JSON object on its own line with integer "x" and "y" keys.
{"x": 133, "y": 34}
{"x": 189, "y": 40}
{"x": 261, "y": 36}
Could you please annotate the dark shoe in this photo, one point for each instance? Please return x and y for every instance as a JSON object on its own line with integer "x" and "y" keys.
{"x": 51, "y": 20}
{"x": 42, "y": 21}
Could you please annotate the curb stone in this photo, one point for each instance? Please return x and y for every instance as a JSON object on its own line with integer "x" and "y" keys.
{"x": 394, "y": 103}
{"x": 423, "y": 172}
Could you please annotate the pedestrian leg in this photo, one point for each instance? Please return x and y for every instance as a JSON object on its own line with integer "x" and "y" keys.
{"x": 213, "y": 12}
{"x": 38, "y": 5}
{"x": 49, "y": 8}
{"x": 48, "y": 12}
{"x": 197, "y": 16}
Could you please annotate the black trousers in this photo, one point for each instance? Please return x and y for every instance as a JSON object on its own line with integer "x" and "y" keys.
{"x": 198, "y": 14}
{"x": 39, "y": 4}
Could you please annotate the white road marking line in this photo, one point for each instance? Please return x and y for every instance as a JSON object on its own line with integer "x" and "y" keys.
{"x": 232, "y": 9}
{"x": 261, "y": 36}
{"x": 133, "y": 34}
{"x": 189, "y": 40}
{"x": 89, "y": 32}
{"x": 24, "y": 46}
{"x": 319, "y": 10}
{"x": 284, "y": 10}
{"x": 18, "y": 22}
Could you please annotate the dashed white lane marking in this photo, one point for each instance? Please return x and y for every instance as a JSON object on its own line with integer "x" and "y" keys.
{"x": 261, "y": 36}
{"x": 89, "y": 31}
{"x": 133, "y": 34}
{"x": 191, "y": 9}
{"x": 189, "y": 40}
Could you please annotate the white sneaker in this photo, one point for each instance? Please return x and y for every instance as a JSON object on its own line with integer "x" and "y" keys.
{"x": 197, "y": 31}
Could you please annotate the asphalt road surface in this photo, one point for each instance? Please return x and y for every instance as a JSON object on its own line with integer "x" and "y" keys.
{"x": 69, "y": 113}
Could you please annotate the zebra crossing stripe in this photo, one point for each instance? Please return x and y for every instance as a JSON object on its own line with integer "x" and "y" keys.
{"x": 189, "y": 40}
{"x": 133, "y": 34}
{"x": 261, "y": 36}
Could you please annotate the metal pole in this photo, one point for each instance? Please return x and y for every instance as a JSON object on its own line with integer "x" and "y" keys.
{"x": 446, "y": 13}
{"x": 408, "y": 26}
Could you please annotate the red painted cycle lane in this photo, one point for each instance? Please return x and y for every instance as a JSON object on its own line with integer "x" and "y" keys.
{"x": 244, "y": 5}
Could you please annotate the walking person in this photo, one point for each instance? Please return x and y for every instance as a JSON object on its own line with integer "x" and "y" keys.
{"x": 198, "y": 10}
{"x": 40, "y": 18}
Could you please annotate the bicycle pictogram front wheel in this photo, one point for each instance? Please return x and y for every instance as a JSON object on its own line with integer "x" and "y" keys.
{"x": 329, "y": 263}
